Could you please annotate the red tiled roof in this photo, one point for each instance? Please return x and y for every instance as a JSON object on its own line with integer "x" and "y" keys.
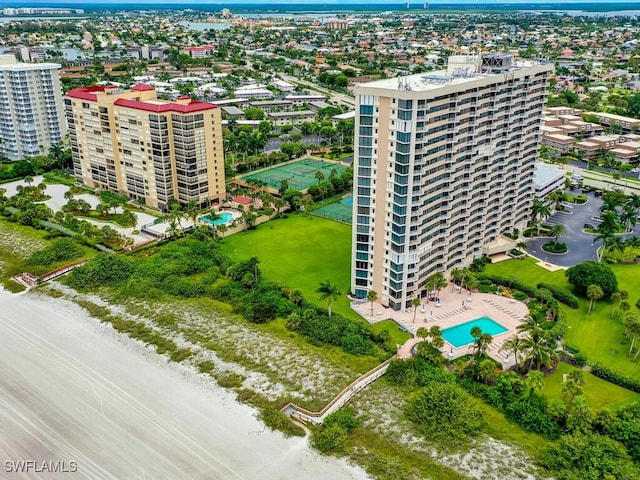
{"x": 202, "y": 47}
{"x": 164, "y": 107}
{"x": 86, "y": 93}
{"x": 142, "y": 87}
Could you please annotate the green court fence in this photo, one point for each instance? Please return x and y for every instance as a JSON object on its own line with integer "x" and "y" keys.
{"x": 338, "y": 211}
{"x": 300, "y": 175}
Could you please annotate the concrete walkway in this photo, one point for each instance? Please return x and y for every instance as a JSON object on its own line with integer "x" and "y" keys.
{"x": 455, "y": 307}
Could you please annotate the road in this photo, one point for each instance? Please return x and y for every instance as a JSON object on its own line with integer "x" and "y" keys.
{"x": 74, "y": 390}
{"x": 340, "y": 98}
{"x": 603, "y": 181}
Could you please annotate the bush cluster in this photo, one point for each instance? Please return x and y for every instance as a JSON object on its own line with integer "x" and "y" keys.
{"x": 555, "y": 247}
{"x": 561, "y": 294}
{"x": 616, "y": 377}
{"x": 58, "y": 250}
{"x": 190, "y": 268}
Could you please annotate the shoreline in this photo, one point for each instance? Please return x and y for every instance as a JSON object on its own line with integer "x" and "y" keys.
{"x": 149, "y": 417}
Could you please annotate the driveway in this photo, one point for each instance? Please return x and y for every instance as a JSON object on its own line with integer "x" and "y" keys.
{"x": 581, "y": 246}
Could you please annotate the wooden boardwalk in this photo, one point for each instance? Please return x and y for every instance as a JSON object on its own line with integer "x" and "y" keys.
{"x": 305, "y": 416}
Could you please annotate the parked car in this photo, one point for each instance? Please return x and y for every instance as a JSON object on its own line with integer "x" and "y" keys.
{"x": 598, "y": 193}
{"x": 588, "y": 225}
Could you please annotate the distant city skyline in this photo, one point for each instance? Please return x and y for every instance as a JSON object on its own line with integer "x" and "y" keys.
{"x": 227, "y": 3}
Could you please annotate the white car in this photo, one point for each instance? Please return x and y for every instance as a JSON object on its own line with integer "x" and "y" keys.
{"x": 635, "y": 170}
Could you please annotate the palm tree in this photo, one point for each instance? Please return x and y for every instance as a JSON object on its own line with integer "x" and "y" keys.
{"x": 610, "y": 203}
{"x": 28, "y": 180}
{"x": 539, "y": 349}
{"x": 192, "y": 209}
{"x": 481, "y": 342}
{"x": 616, "y": 244}
{"x": 372, "y": 296}
{"x": 594, "y": 293}
{"x": 632, "y": 327}
{"x": 522, "y": 246}
{"x": 328, "y": 292}
{"x": 571, "y": 389}
{"x": 456, "y": 275}
{"x": 320, "y": 176}
{"x": 439, "y": 282}
{"x": 467, "y": 277}
{"x": 540, "y": 211}
{"x": 175, "y": 214}
{"x": 415, "y": 303}
{"x": 634, "y": 201}
{"x": 514, "y": 345}
{"x": 558, "y": 230}
{"x": 628, "y": 217}
{"x": 535, "y": 381}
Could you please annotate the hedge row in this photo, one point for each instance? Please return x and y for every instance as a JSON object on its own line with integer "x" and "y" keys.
{"x": 613, "y": 376}
{"x": 561, "y": 294}
{"x": 510, "y": 282}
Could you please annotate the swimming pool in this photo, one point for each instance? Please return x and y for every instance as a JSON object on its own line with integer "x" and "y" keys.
{"x": 460, "y": 335}
{"x": 225, "y": 217}
{"x": 348, "y": 201}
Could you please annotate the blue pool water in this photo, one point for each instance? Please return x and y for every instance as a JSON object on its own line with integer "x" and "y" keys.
{"x": 348, "y": 201}
{"x": 225, "y": 217}
{"x": 460, "y": 335}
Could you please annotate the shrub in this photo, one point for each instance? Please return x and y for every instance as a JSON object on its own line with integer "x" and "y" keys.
{"x": 518, "y": 295}
{"x": 510, "y": 282}
{"x": 445, "y": 413}
{"x": 577, "y": 457}
{"x": 555, "y": 247}
{"x": 615, "y": 377}
{"x": 60, "y": 249}
{"x": 330, "y": 439}
{"x": 343, "y": 418}
{"x": 579, "y": 360}
{"x": 487, "y": 288}
{"x": 561, "y": 294}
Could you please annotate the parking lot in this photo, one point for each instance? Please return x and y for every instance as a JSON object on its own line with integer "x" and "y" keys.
{"x": 581, "y": 246}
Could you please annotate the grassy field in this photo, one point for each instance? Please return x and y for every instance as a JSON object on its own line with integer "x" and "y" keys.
{"x": 599, "y": 393}
{"x": 598, "y": 336}
{"x": 300, "y": 252}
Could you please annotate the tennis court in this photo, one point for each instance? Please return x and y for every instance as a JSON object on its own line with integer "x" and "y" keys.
{"x": 300, "y": 175}
{"x": 341, "y": 211}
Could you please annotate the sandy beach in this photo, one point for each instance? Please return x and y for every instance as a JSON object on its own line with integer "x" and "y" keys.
{"x": 74, "y": 390}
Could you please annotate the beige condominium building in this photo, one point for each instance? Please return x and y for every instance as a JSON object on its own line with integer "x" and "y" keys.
{"x": 443, "y": 166}
{"x": 130, "y": 142}
{"x": 31, "y": 118}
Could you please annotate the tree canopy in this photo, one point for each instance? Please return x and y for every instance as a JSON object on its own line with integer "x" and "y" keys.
{"x": 592, "y": 273}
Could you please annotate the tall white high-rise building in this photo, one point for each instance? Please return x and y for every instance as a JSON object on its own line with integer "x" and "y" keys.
{"x": 31, "y": 108}
{"x": 443, "y": 166}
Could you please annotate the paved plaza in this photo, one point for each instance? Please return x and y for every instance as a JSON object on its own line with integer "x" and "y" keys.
{"x": 456, "y": 307}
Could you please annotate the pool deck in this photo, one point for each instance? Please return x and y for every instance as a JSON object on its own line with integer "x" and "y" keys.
{"x": 455, "y": 308}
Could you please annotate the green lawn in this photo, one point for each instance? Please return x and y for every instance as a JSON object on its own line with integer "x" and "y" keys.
{"x": 599, "y": 393}
{"x": 398, "y": 336}
{"x": 300, "y": 252}
{"x": 598, "y": 336}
